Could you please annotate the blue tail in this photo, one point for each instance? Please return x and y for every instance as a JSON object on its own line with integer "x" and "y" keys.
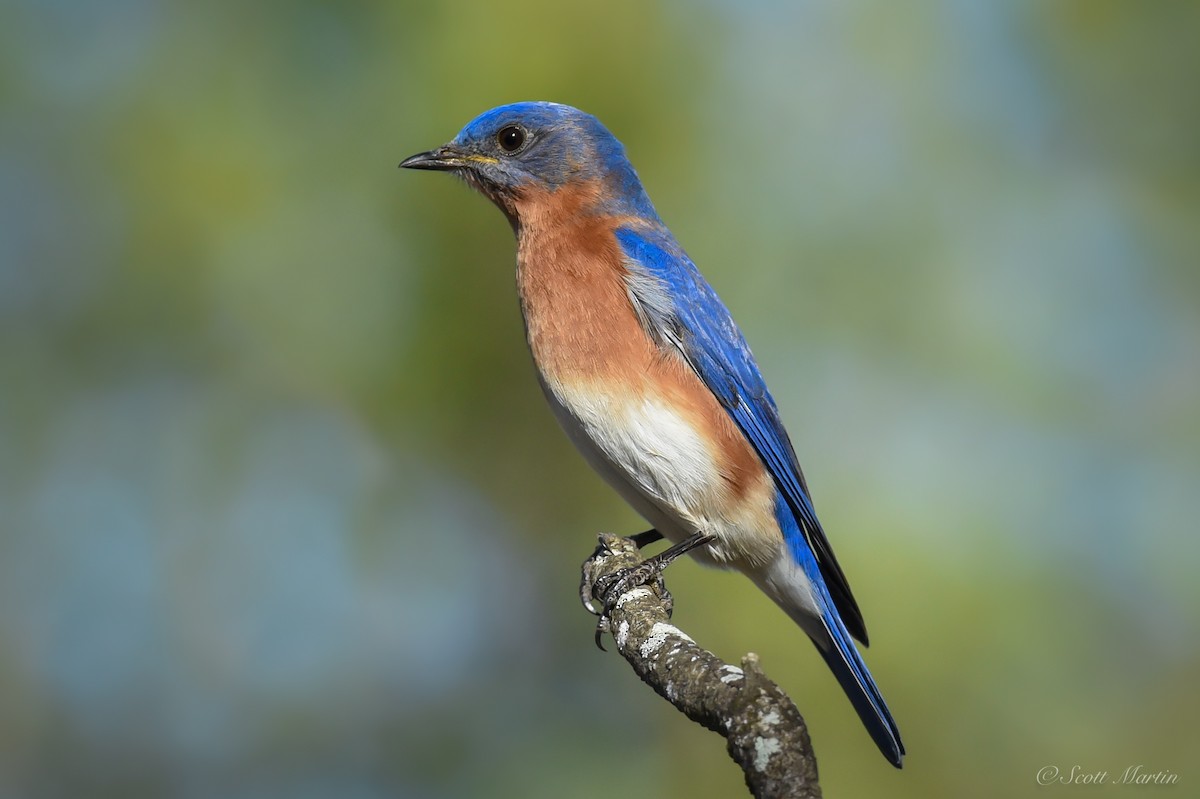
{"x": 814, "y": 609}
{"x": 847, "y": 665}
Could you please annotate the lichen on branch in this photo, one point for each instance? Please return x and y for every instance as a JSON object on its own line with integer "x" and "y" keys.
{"x": 764, "y": 732}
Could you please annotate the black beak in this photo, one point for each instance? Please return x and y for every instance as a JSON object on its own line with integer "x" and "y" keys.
{"x": 442, "y": 159}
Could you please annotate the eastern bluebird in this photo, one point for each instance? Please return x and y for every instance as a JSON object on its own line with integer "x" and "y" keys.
{"x": 650, "y": 377}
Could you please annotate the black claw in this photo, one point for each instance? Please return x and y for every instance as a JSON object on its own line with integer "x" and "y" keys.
{"x": 587, "y": 586}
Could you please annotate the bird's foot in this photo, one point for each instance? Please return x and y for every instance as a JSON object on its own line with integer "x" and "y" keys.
{"x": 608, "y": 588}
{"x": 610, "y": 546}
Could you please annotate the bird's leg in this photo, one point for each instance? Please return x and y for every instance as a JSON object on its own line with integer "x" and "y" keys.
{"x": 609, "y": 588}
{"x": 645, "y": 539}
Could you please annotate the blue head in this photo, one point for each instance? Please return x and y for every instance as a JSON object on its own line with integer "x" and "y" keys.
{"x": 518, "y": 152}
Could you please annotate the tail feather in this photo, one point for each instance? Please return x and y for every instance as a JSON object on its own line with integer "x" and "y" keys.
{"x": 847, "y": 665}
{"x": 797, "y": 587}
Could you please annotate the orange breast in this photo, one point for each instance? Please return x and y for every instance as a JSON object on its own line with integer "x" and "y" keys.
{"x": 584, "y": 333}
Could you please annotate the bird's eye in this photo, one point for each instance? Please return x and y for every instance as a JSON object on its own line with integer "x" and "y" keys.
{"x": 510, "y": 138}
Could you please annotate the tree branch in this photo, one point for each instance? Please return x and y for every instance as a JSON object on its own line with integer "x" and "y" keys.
{"x": 764, "y": 732}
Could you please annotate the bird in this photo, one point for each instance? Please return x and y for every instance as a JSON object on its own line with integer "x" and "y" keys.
{"x": 651, "y": 378}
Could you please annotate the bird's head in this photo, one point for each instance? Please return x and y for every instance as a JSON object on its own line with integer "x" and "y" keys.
{"x": 518, "y": 154}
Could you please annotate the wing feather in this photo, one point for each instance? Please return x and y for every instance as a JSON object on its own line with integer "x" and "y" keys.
{"x": 694, "y": 320}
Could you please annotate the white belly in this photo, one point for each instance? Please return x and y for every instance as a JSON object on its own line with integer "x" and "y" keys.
{"x": 659, "y": 463}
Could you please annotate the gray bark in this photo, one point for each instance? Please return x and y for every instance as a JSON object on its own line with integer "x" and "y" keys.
{"x": 764, "y": 732}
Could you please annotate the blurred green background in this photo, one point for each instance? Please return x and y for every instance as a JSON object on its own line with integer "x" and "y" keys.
{"x": 282, "y": 513}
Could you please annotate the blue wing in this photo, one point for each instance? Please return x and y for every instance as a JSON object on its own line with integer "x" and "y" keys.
{"x": 678, "y": 308}
{"x": 677, "y": 305}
